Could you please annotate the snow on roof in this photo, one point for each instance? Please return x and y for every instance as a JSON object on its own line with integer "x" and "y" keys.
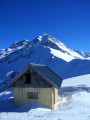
{"x": 48, "y": 74}
{"x": 43, "y": 71}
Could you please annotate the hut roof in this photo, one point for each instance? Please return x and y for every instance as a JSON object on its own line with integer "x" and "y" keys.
{"x": 43, "y": 71}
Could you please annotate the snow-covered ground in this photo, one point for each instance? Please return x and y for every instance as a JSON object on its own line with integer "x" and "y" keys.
{"x": 73, "y": 104}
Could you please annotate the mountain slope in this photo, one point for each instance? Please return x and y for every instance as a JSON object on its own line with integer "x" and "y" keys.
{"x": 83, "y": 54}
{"x": 44, "y": 49}
{"x": 74, "y": 93}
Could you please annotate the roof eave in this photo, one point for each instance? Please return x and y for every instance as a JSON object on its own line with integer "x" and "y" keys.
{"x": 17, "y": 77}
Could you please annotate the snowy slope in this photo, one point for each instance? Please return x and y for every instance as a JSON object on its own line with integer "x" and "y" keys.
{"x": 87, "y": 54}
{"x": 83, "y": 54}
{"x": 67, "y": 63}
{"x": 74, "y": 103}
{"x": 44, "y": 49}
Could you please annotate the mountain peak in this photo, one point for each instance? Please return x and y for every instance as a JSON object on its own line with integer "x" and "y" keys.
{"x": 44, "y": 38}
{"x": 44, "y": 34}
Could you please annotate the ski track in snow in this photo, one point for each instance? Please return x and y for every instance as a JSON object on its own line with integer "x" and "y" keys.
{"x": 74, "y": 103}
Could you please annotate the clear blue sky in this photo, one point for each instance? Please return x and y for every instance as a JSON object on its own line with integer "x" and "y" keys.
{"x": 66, "y": 20}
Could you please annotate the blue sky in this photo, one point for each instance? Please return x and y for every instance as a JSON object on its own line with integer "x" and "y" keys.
{"x": 66, "y": 20}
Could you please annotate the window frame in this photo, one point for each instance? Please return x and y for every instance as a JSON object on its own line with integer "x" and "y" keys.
{"x": 32, "y": 95}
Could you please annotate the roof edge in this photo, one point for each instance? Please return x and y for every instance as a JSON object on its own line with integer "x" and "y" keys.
{"x": 17, "y": 77}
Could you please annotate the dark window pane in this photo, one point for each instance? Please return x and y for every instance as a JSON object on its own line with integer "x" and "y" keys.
{"x": 32, "y": 95}
{"x": 28, "y": 78}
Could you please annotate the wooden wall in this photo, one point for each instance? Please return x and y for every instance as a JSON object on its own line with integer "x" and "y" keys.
{"x": 45, "y": 96}
{"x": 36, "y": 81}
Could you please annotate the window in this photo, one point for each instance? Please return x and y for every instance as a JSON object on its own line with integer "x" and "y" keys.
{"x": 32, "y": 95}
{"x": 28, "y": 78}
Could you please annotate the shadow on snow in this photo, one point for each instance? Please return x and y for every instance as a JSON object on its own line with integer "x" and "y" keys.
{"x": 7, "y": 104}
{"x": 65, "y": 91}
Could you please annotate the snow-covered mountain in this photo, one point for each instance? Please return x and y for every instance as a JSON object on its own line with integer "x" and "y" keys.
{"x": 74, "y": 94}
{"x": 46, "y": 41}
{"x": 44, "y": 49}
{"x": 83, "y": 54}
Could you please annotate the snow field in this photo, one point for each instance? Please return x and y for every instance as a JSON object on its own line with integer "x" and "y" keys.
{"x": 74, "y": 103}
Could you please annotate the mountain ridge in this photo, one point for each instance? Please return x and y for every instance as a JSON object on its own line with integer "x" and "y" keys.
{"x": 45, "y": 40}
{"x": 44, "y": 49}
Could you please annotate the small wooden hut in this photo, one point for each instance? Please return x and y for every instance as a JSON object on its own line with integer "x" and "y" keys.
{"x": 36, "y": 83}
